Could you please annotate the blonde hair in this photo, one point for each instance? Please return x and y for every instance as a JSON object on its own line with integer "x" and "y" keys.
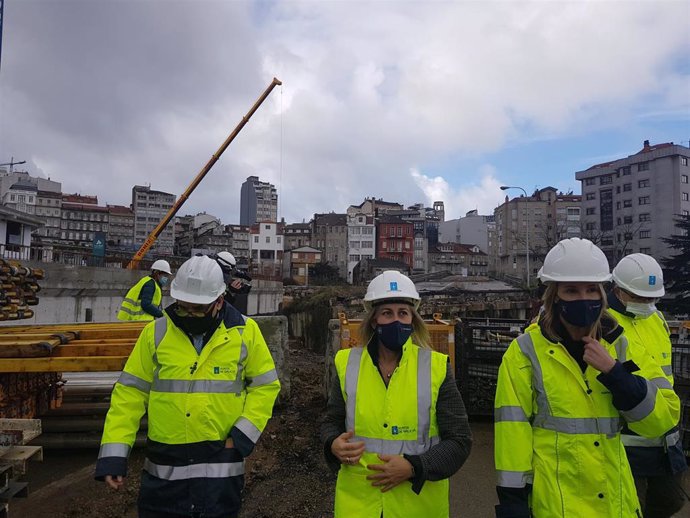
{"x": 549, "y": 318}
{"x": 420, "y": 334}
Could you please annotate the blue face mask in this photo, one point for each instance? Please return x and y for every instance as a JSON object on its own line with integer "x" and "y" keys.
{"x": 394, "y": 335}
{"x": 579, "y": 313}
{"x": 163, "y": 281}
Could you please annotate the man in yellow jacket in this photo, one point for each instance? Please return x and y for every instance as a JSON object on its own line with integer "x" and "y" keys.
{"x": 143, "y": 300}
{"x": 206, "y": 378}
{"x": 657, "y": 463}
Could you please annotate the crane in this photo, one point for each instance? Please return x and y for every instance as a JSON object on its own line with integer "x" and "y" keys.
{"x": 12, "y": 163}
{"x": 197, "y": 180}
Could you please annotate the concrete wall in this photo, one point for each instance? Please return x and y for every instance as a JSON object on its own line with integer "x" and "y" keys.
{"x": 69, "y": 293}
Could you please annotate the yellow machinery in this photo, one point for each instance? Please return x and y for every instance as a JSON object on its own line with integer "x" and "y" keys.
{"x": 442, "y": 335}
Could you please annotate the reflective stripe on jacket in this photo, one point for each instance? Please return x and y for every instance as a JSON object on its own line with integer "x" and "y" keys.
{"x": 394, "y": 420}
{"x": 131, "y": 309}
{"x": 557, "y": 429}
{"x": 646, "y": 455}
{"x": 193, "y": 401}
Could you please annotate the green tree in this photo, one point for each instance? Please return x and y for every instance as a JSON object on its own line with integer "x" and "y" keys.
{"x": 677, "y": 269}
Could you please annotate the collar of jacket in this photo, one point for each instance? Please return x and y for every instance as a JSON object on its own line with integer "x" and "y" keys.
{"x": 228, "y": 314}
{"x": 611, "y": 329}
{"x": 616, "y": 305}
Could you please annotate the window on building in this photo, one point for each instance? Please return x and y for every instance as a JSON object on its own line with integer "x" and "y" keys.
{"x": 256, "y": 239}
{"x": 644, "y": 234}
{"x": 685, "y": 213}
{"x": 641, "y": 184}
{"x": 591, "y": 226}
{"x": 627, "y": 203}
{"x": 645, "y": 217}
{"x": 618, "y": 205}
{"x": 590, "y": 181}
{"x": 627, "y": 220}
{"x": 625, "y": 170}
{"x": 606, "y": 241}
{"x": 603, "y": 180}
{"x": 683, "y": 178}
{"x": 590, "y": 211}
{"x": 683, "y": 160}
{"x": 644, "y": 200}
{"x": 627, "y": 187}
{"x": 619, "y": 221}
{"x": 646, "y": 250}
{"x": 684, "y": 196}
{"x": 591, "y": 196}
{"x": 643, "y": 166}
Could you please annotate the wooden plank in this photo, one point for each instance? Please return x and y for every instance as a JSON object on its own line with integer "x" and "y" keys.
{"x": 29, "y": 428}
{"x": 28, "y": 350}
{"x": 63, "y": 364}
{"x": 79, "y": 350}
{"x": 19, "y": 456}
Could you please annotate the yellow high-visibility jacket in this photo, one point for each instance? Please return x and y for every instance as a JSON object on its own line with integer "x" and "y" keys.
{"x": 194, "y": 403}
{"x": 557, "y": 429}
{"x": 399, "y": 419}
{"x": 131, "y": 309}
{"x": 646, "y": 455}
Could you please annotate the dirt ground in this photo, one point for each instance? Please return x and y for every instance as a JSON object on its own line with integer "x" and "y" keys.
{"x": 286, "y": 475}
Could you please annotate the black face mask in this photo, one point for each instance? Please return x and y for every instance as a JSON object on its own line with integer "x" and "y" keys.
{"x": 198, "y": 325}
{"x": 579, "y": 313}
{"x": 394, "y": 335}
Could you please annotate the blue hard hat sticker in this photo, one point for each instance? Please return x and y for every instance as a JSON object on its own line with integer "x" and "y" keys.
{"x": 652, "y": 280}
{"x": 394, "y": 286}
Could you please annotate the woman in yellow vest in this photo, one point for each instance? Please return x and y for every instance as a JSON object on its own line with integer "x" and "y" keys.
{"x": 565, "y": 389}
{"x": 143, "y": 300}
{"x": 657, "y": 463}
{"x": 396, "y": 427}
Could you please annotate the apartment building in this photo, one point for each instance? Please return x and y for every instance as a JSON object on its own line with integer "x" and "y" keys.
{"x": 82, "y": 218}
{"x": 459, "y": 259}
{"x": 361, "y": 240}
{"x": 536, "y": 222}
{"x": 395, "y": 240}
{"x": 266, "y": 249}
{"x": 150, "y": 207}
{"x": 472, "y": 228}
{"x": 258, "y": 201}
{"x": 240, "y": 243}
{"x": 373, "y": 207}
{"x": 629, "y": 204}
{"x": 48, "y": 207}
{"x": 120, "y": 228}
{"x": 297, "y": 235}
{"x": 297, "y": 262}
{"x": 329, "y": 234}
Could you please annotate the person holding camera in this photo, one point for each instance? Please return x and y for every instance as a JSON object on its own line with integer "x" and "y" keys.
{"x": 238, "y": 282}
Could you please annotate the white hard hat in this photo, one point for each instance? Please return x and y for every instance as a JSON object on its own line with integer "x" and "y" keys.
{"x": 391, "y": 285}
{"x": 162, "y": 266}
{"x": 575, "y": 260}
{"x": 641, "y": 275}
{"x": 198, "y": 281}
{"x": 226, "y": 260}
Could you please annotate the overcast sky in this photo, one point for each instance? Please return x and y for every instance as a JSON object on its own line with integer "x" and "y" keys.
{"x": 409, "y": 101}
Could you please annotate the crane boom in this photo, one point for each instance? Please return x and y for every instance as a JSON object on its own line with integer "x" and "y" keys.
{"x": 197, "y": 180}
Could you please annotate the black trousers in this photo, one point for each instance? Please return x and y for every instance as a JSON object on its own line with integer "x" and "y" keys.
{"x": 660, "y": 497}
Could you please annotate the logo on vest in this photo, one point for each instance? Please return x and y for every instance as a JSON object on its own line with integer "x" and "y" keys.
{"x": 221, "y": 370}
{"x": 397, "y": 430}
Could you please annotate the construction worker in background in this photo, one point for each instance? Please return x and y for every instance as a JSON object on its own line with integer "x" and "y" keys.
{"x": 238, "y": 282}
{"x": 657, "y": 463}
{"x": 396, "y": 428}
{"x": 143, "y": 300}
{"x": 206, "y": 378}
{"x": 565, "y": 388}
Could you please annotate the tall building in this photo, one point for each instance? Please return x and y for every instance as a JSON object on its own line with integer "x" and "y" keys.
{"x": 150, "y": 207}
{"x": 82, "y": 217}
{"x": 361, "y": 240}
{"x": 48, "y": 207}
{"x": 120, "y": 228}
{"x": 329, "y": 234}
{"x": 540, "y": 221}
{"x": 240, "y": 243}
{"x": 395, "y": 239}
{"x": 629, "y": 204}
{"x": 258, "y": 201}
{"x": 473, "y": 228}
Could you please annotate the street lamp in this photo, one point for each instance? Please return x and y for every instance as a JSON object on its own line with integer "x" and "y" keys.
{"x": 503, "y": 188}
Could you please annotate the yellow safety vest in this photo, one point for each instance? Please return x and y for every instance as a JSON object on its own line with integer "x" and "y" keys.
{"x": 131, "y": 304}
{"x": 394, "y": 420}
{"x": 557, "y": 429}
